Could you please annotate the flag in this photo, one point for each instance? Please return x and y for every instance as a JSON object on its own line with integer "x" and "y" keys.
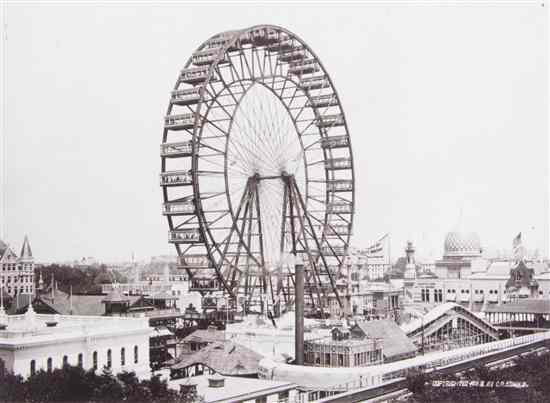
{"x": 377, "y": 249}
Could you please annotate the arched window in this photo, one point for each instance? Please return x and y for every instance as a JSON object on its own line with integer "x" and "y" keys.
{"x": 136, "y": 356}
{"x": 65, "y": 360}
{"x": 94, "y": 359}
{"x": 33, "y": 367}
{"x": 49, "y": 366}
{"x": 109, "y": 358}
{"x": 80, "y": 360}
{"x": 122, "y": 356}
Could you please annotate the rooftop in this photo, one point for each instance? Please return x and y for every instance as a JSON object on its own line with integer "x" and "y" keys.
{"x": 395, "y": 341}
{"x": 541, "y": 306}
{"x": 235, "y": 389}
{"x": 227, "y": 358}
{"x": 205, "y": 336}
{"x": 32, "y": 328}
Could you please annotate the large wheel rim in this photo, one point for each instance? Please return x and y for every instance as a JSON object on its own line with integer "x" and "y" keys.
{"x": 250, "y": 110}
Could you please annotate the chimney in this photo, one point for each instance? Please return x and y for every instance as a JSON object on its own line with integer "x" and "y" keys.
{"x": 216, "y": 381}
{"x": 299, "y": 312}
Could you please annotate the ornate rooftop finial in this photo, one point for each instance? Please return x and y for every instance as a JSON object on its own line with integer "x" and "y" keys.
{"x": 26, "y": 252}
{"x": 30, "y": 311}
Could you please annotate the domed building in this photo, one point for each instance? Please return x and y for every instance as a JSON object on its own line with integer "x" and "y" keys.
{"x": 462, "y": 255}
{"x": 462, "y": 245}
{"x": 464, "y": 276}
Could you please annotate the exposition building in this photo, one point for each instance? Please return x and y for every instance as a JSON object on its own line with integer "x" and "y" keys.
{"x": 465, "y": 277}
{"x": 16, "y": 272}
{"x": 31, "y": 342}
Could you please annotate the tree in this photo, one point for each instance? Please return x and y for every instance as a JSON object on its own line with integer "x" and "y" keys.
{"x": 417, "y": 383}
{"x": 73, "y": 384}
{"x": 484, "y": 384}
{"x": 12, "y": 385}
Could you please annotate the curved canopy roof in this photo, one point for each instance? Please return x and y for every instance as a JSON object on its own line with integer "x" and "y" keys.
{"x": 412, "y": 328}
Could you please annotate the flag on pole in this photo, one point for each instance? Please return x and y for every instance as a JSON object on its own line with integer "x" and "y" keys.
{"x": 377, "y": 249}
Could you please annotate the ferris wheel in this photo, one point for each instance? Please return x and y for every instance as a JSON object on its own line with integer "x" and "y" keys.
{"x": 257, "y": 164}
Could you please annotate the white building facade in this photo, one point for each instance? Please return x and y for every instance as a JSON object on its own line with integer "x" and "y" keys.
{"x": 464, "y": 276}
{"x": 31, "y": 342}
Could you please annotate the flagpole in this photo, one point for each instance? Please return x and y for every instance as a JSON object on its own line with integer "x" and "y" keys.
{"x": 389, "y": 252}
{"x": 71, "y": 299}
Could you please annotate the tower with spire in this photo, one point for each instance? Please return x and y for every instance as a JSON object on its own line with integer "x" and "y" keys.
{"x": 410, "y": 267}
{"x": 26, "y": 252}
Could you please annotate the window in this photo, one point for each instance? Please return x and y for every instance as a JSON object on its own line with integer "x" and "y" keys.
{"x": 65, "y": 360}
{"x": 136, "y": 354}
{"x": 80, "y": 360}
{"x": 33, "y": 367}
{"x": 122, "y": 356}
{"x": 49, "y": 365}
{"x": 109, "y": 358}
{"x": 438, "y": 295}
{"x": 283, "y": 396}
{"x": 94, "y": 358}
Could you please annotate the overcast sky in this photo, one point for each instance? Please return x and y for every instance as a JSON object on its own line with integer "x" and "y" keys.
{"x": 447, "y": 109}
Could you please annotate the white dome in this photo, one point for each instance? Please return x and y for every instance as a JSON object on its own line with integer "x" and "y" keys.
{"x": 462, "y": 244}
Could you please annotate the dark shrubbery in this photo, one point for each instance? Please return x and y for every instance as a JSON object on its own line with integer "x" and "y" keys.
{"x": 73, "y": 384}
{"x": 526, "y": 381}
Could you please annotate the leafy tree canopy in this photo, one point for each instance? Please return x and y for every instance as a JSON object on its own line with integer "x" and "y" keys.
{"x": 74, "y": 384}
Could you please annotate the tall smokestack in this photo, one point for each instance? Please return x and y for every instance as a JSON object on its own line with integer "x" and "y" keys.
{"x": 299, "y": 304}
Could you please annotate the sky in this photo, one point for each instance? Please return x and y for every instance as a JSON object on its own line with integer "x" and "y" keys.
{"x": 447, "y": 108}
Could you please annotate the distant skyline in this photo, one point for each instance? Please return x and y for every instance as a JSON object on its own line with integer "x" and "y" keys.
{"x": 447, "y": 109}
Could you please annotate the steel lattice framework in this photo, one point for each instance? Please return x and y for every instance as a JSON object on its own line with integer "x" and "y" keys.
{"x": 257, "y": 164}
